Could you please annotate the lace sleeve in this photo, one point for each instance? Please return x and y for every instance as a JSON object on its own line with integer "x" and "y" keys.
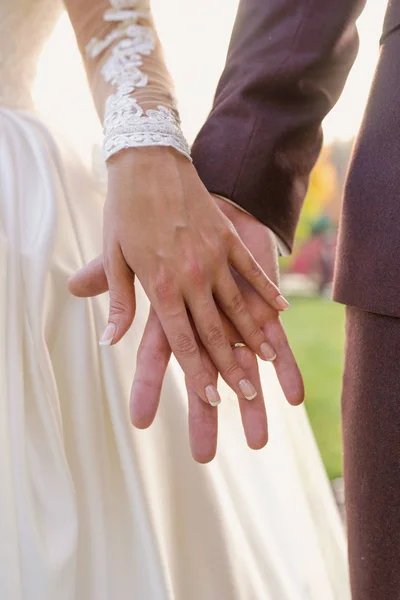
{"x": 132, "y": 88}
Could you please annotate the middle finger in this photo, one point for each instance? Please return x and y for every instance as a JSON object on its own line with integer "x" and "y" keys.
{"x": 211, "y": 332}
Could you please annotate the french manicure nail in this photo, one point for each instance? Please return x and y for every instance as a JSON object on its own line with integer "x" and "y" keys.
{"x": 282, "y": 303}
{"x": 267, "y": 352}
{"x": 108, "y": 335}
{"x": 247, "y": 388}
{"x": 212, "y": 395}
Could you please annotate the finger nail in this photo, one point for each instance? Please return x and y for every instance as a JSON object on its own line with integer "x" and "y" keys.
{"x": 108, "y": 335}
{"x": 282, "y": 303}
{"x": 212, "y": 395}
{"x": 267, "y": 352}
{"x": 247, "y": 388}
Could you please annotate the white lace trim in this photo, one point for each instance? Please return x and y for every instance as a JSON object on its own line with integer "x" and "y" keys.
{"x": 126, "y": 124}
{"x": 122, "y": 4}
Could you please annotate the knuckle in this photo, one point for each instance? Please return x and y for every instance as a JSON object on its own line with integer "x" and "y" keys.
{"x": 247, "y": 359}
{"x": 237, "y": 305}
{"x": 228, "y": 233}
{"x": 164, "y": 290}
{"x": 155, "y": 353}
{"x": 255, "y": 270}
{"x": 255, "y": 334}
{"x": 232, "y": 371}
{"x": 194, "y": 273}
{"x": 147, "y": 383}
{"x": 215, "y": 336}
{"x": 268, "y": 285}
{"x": 217, "y": 252}
{"x": 200, "y": 376}
{"x": 120, "y": 304}
{"x": 185, "y": 345}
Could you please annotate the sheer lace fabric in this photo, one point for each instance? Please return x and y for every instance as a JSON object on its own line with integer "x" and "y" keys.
{"x": 121, "y": 47}
{"x": 125, "y": 66}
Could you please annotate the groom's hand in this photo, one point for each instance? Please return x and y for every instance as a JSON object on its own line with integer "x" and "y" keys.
{"x": 262, "y": 244}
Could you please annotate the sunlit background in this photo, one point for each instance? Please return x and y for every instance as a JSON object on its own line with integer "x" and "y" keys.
{"x": 195, "y": 37}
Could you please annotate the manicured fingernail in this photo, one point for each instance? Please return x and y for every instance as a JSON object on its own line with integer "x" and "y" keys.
{"x": 282, "y": 303}
{"x": 267, "y": 352}
{"x": 247, "y": 388}
{"x": 108, "y": 335}
{"x": 212, "y": 395}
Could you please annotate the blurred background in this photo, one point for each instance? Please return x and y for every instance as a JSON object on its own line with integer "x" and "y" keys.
{"x": 195, "y": 55}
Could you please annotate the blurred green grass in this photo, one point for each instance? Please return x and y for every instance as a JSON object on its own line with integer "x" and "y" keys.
{"x": 315, "y": 328}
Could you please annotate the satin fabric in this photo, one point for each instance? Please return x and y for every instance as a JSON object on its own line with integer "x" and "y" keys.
{"x": 91, "y": 509}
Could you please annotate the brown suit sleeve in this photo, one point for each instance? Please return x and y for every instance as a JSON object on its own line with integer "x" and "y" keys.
{"x": 287, "y": 64}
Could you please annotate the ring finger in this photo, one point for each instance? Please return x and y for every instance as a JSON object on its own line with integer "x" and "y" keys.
{"x": 215, "y": 341}
{"x": 253, "y": 414}
{"x": 233, "y": 304}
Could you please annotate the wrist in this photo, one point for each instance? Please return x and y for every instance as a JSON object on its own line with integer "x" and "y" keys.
{"x": 128, "y": 125}
{"x": 232, "y": 210}
{"x": 145, "y": 156}
{"x": 154, "y": 175}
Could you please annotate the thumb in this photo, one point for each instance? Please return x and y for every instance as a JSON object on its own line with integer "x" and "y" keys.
{"x": 122, "y": 298}
{"x": 89, "y": 281}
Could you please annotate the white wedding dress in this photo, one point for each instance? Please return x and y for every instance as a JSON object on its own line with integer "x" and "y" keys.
{"x": 90, "y": 508}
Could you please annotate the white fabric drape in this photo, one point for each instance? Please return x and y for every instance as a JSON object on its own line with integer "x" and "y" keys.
{"x": 91, "y": 509}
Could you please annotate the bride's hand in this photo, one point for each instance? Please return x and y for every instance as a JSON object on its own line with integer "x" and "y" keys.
{"x": 161, "y": 225}
{"x": 154, "y": 352}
